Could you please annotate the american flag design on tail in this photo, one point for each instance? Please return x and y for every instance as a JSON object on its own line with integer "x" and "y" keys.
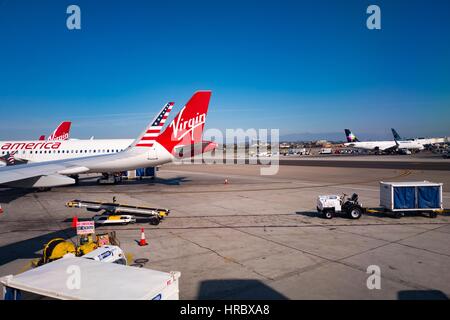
{"x": 148, "y": 139}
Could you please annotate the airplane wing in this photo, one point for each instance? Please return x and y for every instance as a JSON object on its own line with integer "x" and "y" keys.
{"x": 39, "y": 175}
{"x": 390, "y": 147}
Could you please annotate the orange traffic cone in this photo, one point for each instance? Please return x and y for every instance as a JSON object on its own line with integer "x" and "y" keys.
{"x": 74, "y": 221}
{"x": 143, "y": 242}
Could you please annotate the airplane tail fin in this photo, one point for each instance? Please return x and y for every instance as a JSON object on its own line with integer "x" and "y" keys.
{"x": 187, "y": 127}
{"x": 148, "y": 136}
{"x": 350, "y": 136}
{"x": 61, "y": 132}
{"x": 396, "y": 135}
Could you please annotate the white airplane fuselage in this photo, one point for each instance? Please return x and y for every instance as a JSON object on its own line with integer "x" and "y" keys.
{"x": 372, "y": 145}
{"x": 410, "y": 145}
{"x": 42, "y": 151}
{"x": 129, "y": 159}
{"x": 122, "y": 161}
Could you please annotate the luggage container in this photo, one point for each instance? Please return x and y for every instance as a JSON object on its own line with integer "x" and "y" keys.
{"x": 417, "y": 196}
{"x": 77, "y": 278}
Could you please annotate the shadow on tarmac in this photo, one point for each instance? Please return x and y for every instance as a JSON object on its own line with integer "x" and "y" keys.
{"x": 8, "y": 195}
{"x": 311, "y": 214}
{"x": 422, "y": 295}
{"x": 27, "y": 249}
{"x": 246, "y": 289}
{"x": 136, "y": 182}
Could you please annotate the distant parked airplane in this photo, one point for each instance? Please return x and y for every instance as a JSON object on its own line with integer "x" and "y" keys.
{"x": 354, "y": 142}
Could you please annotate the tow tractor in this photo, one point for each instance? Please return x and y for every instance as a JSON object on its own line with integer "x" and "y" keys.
{"x": 109, "y": 209}
{"x": 330, "y": 205}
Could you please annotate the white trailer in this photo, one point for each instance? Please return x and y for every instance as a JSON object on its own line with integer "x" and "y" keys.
{"x": 326, "y": 151}
{"x": 414, "y": 196}
{"x": 77, "y": 278}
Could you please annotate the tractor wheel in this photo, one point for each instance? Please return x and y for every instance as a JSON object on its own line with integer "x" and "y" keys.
{"x": 355, "y": 212}
{"x": 398, "y": 215}
{"x": 154, "y": 221}
{"x": 328, "y": 214}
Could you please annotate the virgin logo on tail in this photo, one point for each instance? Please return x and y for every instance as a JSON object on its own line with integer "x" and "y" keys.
{"x": 61, "y": 132}
{"x": 187, "y": 126}
{"x": 179, "y": 125}
{"x": 64, "y": 136}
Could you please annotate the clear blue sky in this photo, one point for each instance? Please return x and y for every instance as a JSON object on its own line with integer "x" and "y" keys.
{"x": 301, "y": 66}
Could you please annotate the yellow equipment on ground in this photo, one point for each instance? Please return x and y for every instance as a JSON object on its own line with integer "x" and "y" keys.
{"x": 58, "y": 247}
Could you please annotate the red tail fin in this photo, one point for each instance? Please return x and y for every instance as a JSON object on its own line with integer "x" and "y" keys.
{"x": 61, "y": 132}
{"x": 187, "y": 127}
